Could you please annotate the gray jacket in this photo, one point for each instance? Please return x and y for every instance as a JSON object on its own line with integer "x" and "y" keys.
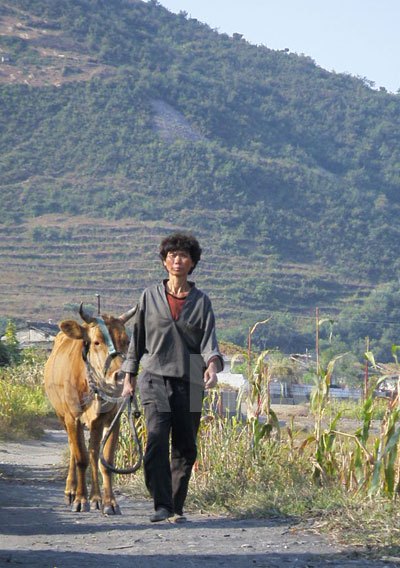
{"x": 165, "y": 347}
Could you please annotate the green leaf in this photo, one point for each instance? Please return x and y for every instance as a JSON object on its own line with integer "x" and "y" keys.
{"x": 374, "y": 487}
{"x": 370, "y": 357}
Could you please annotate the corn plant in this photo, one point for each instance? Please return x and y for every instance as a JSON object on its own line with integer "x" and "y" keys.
{"x": 369, "y": 464}
{"x": 385, "y": 476}
{"x": 258, "y": 403}
{"x": 323, "y": 440}
{"x": 362, "y": 458}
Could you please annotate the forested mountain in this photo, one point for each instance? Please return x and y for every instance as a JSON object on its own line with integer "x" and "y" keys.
{"x": 122, "y": 112}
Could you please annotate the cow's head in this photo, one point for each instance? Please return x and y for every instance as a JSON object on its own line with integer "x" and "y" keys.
{"x": 104, "y": 341}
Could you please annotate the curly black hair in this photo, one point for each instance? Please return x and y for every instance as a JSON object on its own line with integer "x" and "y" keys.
{"x": 181, "y": 241}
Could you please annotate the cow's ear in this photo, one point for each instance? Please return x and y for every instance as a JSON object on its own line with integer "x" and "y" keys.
{"x": 73, "y": 330}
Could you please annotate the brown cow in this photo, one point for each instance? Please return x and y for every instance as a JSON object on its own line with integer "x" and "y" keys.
{"x": 86, "y": 358}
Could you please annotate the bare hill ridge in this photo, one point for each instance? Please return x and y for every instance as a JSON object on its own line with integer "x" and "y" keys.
{"x": 56, "y": 58}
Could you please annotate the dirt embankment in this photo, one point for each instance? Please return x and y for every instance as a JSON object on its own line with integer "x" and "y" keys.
{"x": 37, "y": 530}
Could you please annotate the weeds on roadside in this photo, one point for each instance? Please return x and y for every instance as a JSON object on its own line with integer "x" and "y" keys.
{"x": 22, "y": 398}
{"x": 127, "y": 453}
{"x": 353, "y": 409}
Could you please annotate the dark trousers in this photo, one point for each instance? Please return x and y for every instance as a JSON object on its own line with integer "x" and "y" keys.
{"x": 170, "y": 418}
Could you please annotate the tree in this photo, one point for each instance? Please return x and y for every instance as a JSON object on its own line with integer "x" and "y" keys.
{"x": 5, "y": 358}
{"x": 11, "y": 342}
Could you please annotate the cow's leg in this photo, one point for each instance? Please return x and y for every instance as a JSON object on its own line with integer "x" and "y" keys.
{"x": 79, "y": 453}
{"x": 70, "y": 485}
{"x": 110, "y": 505}
{"x": 96, "y": 431}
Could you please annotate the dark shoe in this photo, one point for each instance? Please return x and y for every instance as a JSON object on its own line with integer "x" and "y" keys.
{"x": 161, "y": 514}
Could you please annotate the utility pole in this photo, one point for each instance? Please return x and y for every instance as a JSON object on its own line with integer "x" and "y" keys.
{"x": 98, "y": 303}
{"x": 249, "y": 355}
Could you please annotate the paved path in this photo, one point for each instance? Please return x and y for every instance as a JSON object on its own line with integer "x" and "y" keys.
{"x": 38, "y": 531}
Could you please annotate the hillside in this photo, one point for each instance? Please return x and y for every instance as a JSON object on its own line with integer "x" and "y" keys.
{"x": 121, "y": 121}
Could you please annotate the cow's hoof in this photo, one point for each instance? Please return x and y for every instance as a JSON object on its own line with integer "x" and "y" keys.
{"x": 95, "y": 505}
{"x": 111, "y": 510}
{"x": 69, "y": 499}
{"x": 80, "y": 507}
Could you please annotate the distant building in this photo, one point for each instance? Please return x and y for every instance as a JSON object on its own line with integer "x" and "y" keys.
{"x": 37, "y": 334}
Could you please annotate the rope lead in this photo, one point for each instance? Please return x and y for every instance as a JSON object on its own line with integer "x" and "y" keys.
{"x": 131, "y": 402}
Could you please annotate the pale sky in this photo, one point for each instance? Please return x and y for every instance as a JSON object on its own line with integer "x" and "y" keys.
{"x": 360, "y": 37}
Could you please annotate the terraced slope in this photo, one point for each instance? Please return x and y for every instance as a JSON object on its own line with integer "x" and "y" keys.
{"x": 51, "y": 263}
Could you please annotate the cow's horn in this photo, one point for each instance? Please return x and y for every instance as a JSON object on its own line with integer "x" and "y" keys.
{"x": 85, "y": 316}
{"x": 127, "y": 315}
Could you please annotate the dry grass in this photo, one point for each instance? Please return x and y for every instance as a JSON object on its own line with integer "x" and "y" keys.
{"x": 23, "y": 403}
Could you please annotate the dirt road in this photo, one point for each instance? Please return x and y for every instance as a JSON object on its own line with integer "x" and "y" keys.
{"x": 37, "y": 530}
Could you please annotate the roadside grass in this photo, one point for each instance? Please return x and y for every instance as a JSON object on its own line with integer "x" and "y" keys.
{"x": 352, "y": 409}
{"x": 23, "y": 403}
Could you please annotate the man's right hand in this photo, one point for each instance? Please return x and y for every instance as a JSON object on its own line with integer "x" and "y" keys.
{"x": 129, "y": 385}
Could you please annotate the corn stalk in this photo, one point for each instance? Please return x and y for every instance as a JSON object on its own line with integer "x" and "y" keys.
{"x": 377, "y": 470}
{"x": 324, "y": 461}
